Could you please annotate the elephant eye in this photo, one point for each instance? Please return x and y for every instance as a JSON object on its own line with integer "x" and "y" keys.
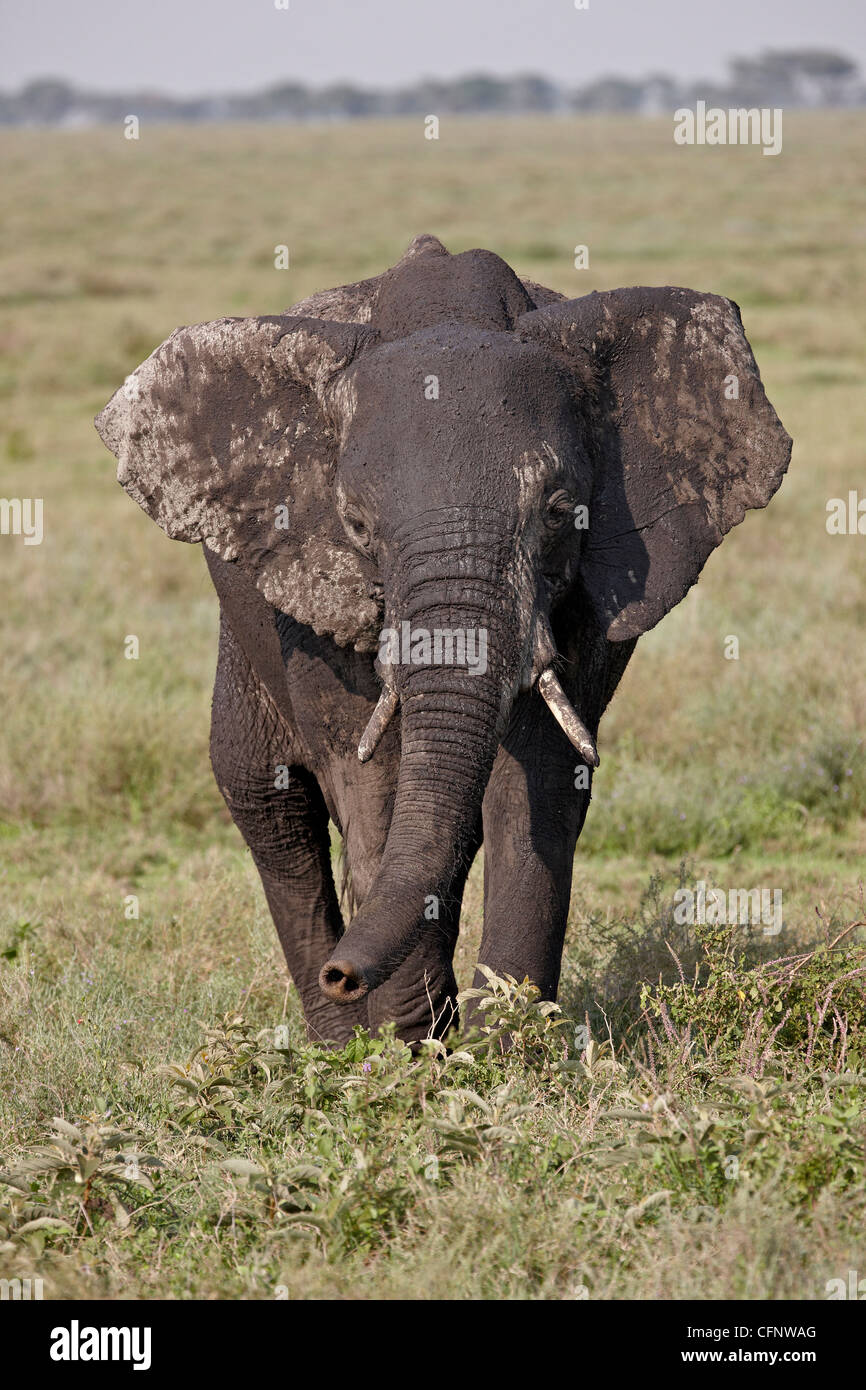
{"x": 560, "y": 510}
{"x": 357, "y": 528}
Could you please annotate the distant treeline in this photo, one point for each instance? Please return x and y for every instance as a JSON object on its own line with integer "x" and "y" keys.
{"x": 790, "y": 78}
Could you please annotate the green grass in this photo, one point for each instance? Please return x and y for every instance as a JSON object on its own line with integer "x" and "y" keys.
{"x": 253, "y": 1165}
{"x": 752, "y": 771}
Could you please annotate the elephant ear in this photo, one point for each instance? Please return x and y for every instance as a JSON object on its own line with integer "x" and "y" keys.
{"x": 684, "y": 437}
{"x": 227, "y": 434}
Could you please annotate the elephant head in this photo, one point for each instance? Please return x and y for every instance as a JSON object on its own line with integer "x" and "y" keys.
{"x": 462, "y": 462}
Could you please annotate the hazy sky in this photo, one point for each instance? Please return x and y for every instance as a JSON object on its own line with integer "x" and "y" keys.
{"x": 191, "y": 46}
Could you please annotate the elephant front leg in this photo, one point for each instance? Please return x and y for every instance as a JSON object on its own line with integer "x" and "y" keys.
{"x": 281, "y": 814}
{"x": 292, "y": 855}
{"x": 534, "y": 808}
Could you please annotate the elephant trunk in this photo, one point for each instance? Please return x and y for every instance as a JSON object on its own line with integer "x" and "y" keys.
{"x": 453, "y": 715}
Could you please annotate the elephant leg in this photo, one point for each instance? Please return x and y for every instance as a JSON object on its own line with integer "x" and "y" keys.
{"x": 534, "y": 808}
{"x": 286, "y": 829}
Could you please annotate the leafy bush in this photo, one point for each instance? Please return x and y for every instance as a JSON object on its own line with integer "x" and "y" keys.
{"x": 811, "y": 1005}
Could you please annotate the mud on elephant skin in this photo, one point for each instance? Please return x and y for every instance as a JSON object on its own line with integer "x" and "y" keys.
{"x": 439, "y": 507}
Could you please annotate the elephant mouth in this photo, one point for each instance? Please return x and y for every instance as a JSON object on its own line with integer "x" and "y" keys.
{"x": 549, "y": 688}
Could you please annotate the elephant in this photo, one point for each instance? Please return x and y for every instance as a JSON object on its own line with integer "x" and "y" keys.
{"x": 439, "y": 507}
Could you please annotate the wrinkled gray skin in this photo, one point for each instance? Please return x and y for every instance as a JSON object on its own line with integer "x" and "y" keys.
{"x": 335, "y": 496}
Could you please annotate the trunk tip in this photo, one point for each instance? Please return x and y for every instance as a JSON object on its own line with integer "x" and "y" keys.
{"x": 342, "y": 982}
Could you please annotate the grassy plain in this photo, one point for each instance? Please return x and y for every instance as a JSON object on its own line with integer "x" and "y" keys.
{"x": 752, "y": 771}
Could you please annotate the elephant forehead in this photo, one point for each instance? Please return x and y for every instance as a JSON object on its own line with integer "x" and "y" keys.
{"x": 456, "y": 372}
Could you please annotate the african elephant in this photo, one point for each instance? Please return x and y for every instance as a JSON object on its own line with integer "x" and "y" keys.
{"x": 439, "y": 507}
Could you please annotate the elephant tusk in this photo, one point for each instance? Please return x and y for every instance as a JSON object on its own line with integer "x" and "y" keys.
{"x": 379, "y": 720}
{"x": 567, "y": 717}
